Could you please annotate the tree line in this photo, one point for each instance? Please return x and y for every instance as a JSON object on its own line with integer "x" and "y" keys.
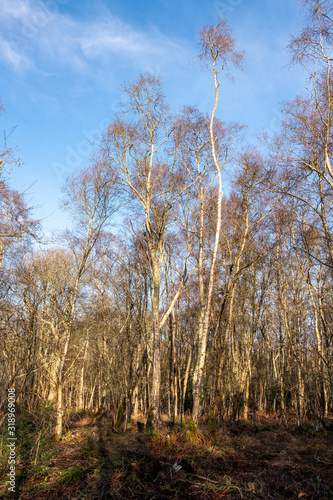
{"x": 216, "y": 295}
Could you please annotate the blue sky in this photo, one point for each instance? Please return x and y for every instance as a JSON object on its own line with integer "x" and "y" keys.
{"x": 63, "y": 62}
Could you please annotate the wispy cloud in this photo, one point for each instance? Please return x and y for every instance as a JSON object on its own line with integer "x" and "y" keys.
{"x": 33, "y": 36}
{"x": 15, "y": 10}
{"x": 10, "y": 53}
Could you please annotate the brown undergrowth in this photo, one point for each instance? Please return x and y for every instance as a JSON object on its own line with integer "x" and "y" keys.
{"x": 236, "y": 461}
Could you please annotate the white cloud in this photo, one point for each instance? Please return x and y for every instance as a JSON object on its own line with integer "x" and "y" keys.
{"x": 15, "y": 10}
{"x": 11, "y": 55}
{"x": 31, "y": 33}
{"x": 103, "y": 39}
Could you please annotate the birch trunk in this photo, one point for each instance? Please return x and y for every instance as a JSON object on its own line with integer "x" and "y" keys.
{"x": 205, "y": 310}
{"x": 81, "y": 397}
{"x": 153, "y": 413}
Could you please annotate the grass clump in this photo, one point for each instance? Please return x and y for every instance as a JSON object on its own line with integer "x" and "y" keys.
{"x": 90, "y": 448}
{"x": 72, "y": 474}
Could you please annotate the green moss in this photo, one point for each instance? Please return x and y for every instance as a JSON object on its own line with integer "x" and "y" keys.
{"x": 119, "y": 416}
{"x": 149, "y": 424}
{"x": 56, "y": 439}
{"x": 191, "y": 426}
{"x": 148, "y": 428}
{"x": 190, "y": 433}
{"x": 155, "y": 435}
{"x": 167, "y": 442}
{"x": 183, "y": 423}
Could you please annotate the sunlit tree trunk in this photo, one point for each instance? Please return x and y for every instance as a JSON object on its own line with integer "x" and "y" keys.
{"x": 218, "y": 49}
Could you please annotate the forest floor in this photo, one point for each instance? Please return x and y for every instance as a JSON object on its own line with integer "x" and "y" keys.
{"x": 239, "y": 461}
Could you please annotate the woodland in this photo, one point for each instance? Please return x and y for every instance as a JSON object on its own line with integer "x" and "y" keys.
{"x": 189, "y": 354}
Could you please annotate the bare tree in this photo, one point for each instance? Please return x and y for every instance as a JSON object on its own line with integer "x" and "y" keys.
{"x": 136, "y": 151}
{"x": 16, "y": 223}
{"x": 91, "y": 198}
{"x": 7, "y": 153}
{"x": 218, "y": 52}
